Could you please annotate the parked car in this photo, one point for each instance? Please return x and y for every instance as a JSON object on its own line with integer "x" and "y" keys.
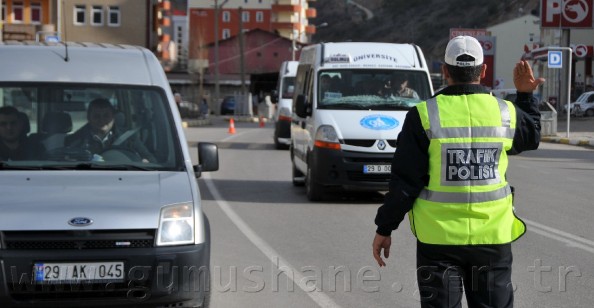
{"x": 583, "y": 105}
{"x": 189, "y": 109}
{"x": 228, "y": 105}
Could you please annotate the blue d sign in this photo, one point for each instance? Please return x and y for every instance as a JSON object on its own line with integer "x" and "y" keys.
{"x": 555, "y": 59}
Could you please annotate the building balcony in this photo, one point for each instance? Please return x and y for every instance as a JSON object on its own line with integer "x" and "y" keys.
{"x": 279, "y": 8}
{"x": 285, "y": 25}
{"x": 20, "y": 32}
{"x": 311, "y": 13}
{"x": 310, "y": 29}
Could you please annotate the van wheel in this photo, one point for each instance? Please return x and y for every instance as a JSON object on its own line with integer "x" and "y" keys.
{"x": 298, "y": 177}
{"x": 590, "y": 113}
{"x": 314, "y": 191}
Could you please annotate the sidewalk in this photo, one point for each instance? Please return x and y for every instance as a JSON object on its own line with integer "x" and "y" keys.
{"x": 218, "y": 118}
{"x": 581, "y": 132}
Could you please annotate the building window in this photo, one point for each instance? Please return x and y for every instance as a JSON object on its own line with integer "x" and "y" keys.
{"x": 79, "y": 14}
{"x": 245, "y": 16}
{"x": 226, "y": 33}
{"x": 3, "y": 11}
{"x": 35, "y": 13}
{"x": 96, "y": 15}
{"x": 113, "y": 16}
{"x": 17, "y": 12}
{"x": 226, "y": 16}
{"x": 259, "y": 17}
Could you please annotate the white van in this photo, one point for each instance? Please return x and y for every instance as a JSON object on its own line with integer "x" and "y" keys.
{"x": 100, "y": 205}
{"x": 349, "y": 105}
{"x": 283, "y": 97}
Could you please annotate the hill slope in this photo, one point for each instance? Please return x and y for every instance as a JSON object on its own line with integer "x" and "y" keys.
{"x": 424, "y": 22}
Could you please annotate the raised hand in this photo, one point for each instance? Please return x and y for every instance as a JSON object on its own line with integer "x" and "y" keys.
{"x": 524, "y": 78}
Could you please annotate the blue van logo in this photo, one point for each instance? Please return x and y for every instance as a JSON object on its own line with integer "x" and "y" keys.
{"x": 80, "y": 221}
{"x": 379, "y": 122}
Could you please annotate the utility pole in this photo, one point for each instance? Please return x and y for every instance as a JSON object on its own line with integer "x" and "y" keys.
{"x": 216, "y": 57}
{"x": 241, "y": 52}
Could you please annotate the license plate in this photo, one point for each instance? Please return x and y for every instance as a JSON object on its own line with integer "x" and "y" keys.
{"x": 80, "y": 271}
{"x": 377, "y": 168}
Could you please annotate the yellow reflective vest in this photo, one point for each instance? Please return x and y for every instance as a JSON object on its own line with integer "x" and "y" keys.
{"x": 468, "y": 200}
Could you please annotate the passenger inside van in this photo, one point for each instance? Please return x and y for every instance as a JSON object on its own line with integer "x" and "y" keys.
{"x": 101, "y": 133}
{"x": 14, "y": 143}
{"x": 397, "y": 85}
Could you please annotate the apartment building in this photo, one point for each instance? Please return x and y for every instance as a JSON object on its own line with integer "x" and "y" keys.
{"x": 287, "y": 18}
{"x": 24, "y": 19}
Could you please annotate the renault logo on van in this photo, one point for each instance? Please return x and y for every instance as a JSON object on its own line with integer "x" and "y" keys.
{"x": 381, "y": 145}
{"x": 80, "y": 221}
{"x": 379, "y": 122}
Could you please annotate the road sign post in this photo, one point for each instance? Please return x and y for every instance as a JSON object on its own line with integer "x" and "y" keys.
{"x": 555, "y": 60}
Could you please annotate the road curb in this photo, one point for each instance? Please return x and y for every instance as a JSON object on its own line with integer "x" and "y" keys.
{"x": 196, "y": 122}
{"x": 570, "y": 141}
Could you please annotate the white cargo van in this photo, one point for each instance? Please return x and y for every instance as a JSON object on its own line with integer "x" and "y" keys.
{"x": 283, "y": 97}
{"x": 112, "y": 219}
{"x": 349, "y": 105}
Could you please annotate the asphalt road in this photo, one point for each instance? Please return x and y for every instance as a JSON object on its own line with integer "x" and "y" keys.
{"x": 273, "y": 248}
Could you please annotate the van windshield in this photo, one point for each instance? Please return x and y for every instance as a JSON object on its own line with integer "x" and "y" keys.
{"x": 372, "y": 89}
{"x": 58, "y": 126}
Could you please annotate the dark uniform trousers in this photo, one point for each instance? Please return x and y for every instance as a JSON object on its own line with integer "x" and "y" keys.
{"x": 482, "y": 272}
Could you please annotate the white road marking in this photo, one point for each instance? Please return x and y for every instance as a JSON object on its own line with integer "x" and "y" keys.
{"x": 567, "y": 238}
{"x": 319, "y": 298}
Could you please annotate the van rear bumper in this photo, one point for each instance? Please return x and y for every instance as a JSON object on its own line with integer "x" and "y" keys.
{"x": 344, "y": 169}
{"x": 153, "y": 276}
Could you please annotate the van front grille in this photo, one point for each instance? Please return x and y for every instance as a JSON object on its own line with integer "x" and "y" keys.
{"x": 88, "y": 239}
{"x": 362, "y": 177}
{"x": 366, "y": 143}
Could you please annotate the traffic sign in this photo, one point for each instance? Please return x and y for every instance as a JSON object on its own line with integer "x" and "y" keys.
{"x": 52, "y": 39}
{"x": 555, "y": 59}
{"x": 567, "y": 14}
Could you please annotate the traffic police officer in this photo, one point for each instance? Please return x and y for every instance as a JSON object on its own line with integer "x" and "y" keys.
{"x": 449, "y": 175}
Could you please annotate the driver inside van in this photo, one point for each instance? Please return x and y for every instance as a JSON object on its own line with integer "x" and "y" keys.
{"x": 101, "y": 133}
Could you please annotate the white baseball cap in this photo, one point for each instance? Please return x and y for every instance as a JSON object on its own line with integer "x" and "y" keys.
{"x": 464, "y": 45}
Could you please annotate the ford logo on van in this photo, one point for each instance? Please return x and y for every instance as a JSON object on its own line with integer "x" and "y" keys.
{"x": 80, "y": 221}
{"x": 379, "y": 122}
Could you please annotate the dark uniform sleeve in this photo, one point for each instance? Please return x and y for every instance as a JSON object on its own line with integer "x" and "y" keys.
{"x": 527, "y": 136}
{"x": 410, "y": 167}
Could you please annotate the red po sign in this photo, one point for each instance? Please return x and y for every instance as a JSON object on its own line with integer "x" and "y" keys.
{"x": 566, "y": 13}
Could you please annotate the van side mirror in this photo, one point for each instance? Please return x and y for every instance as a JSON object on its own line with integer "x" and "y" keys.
{"x": 301, "y": 106}
{"x": 208, "y": 158}
{"x": 274, "y": 96}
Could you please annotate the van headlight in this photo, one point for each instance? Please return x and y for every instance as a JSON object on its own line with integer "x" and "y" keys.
{"x": 176, "y": 225}
{"x": 326, "y": 137}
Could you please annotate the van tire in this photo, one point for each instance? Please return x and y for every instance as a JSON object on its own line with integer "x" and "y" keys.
{"x": 208, "y": 289}
{"x": 314, "y": 191}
